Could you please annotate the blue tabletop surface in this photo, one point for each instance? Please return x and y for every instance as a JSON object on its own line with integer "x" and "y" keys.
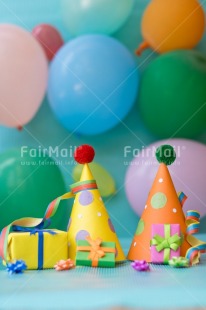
{"x": 97, "y": 288}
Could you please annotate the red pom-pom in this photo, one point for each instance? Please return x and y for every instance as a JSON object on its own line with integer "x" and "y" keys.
{"x": 84, "y": 154}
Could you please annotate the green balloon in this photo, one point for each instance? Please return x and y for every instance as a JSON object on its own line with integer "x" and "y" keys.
{"x": 105, "y": 182}
{"x": 173, "y": 94}
{"x": 29, "y": 182}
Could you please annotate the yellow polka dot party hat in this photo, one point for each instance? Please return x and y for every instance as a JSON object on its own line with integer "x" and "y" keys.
{"x": 89, "y": 216}
{"x": 162, "y": 207}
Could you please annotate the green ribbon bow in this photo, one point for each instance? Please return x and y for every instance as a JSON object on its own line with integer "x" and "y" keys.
{"x": 179, "y": 262}
{"x": 166, "y": 243}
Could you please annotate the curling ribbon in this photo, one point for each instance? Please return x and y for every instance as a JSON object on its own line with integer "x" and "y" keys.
{"x": 197, "y": 246}
{"x": 50, "y": 211}
{"x": 75, "y": 189}
{"x": 182, "y": 198}
{"x": 192, "y": 222}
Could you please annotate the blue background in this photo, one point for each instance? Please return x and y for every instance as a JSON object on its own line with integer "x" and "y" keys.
{"x": 44, "y": 130}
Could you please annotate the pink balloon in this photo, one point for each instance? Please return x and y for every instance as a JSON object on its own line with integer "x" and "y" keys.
{"x": 188, "y": 173}
{"x": 23, "y": 76}
{"x": 49, "y": 38}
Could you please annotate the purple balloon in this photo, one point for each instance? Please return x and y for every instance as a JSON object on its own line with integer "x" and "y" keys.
{"x": 188, "y": 173}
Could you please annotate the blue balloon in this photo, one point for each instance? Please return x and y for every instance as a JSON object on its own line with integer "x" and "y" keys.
{"x": 93, "y": 84}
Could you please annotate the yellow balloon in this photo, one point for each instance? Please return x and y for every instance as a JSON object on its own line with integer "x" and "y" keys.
{"x": 105, "y": 182}
{"x": 172, "y": 24}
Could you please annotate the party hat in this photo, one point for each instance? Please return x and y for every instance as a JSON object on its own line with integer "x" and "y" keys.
{"x": 162, "y": 207}
{"x": 89, "y": 216}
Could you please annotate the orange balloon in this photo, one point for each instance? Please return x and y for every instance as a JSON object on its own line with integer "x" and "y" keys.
{"x": 172, "y": 24}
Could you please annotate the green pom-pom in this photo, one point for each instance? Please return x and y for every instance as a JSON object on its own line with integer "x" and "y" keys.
{"x": 166, "y": 154}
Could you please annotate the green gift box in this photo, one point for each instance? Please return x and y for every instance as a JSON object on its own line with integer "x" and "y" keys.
{"x": 95, "y": 253}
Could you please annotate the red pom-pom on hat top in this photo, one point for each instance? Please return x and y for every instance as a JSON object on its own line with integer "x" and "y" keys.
{"x": 84, "y": 154}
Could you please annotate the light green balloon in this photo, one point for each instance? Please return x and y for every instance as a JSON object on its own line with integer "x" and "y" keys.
{"x": 105, "y": 182}
{"x": 28, "y": 184}
{"x": 95, "y": 16}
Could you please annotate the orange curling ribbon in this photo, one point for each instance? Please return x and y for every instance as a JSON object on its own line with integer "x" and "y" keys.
{"x": 95, "y": 249}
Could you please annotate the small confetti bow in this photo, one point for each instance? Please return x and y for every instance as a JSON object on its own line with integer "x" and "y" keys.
{"x": 179, "y": 262}
{"x": 16, "y": 266}
{"x": 64, "y": 265}
{"x": 140, "y": 265}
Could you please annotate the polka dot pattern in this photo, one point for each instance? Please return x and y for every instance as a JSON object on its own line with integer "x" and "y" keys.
{"x": 86, "y": 198}
{"x": 99, "y": 214}
{"x": 174, "y": 210}
{"x": 81, "y": 235}
{"x": 158, "y": 200}
{"x": 140, "y": 227}
{"x": 111, "y": 226}
{"x": 160, "y": 180}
